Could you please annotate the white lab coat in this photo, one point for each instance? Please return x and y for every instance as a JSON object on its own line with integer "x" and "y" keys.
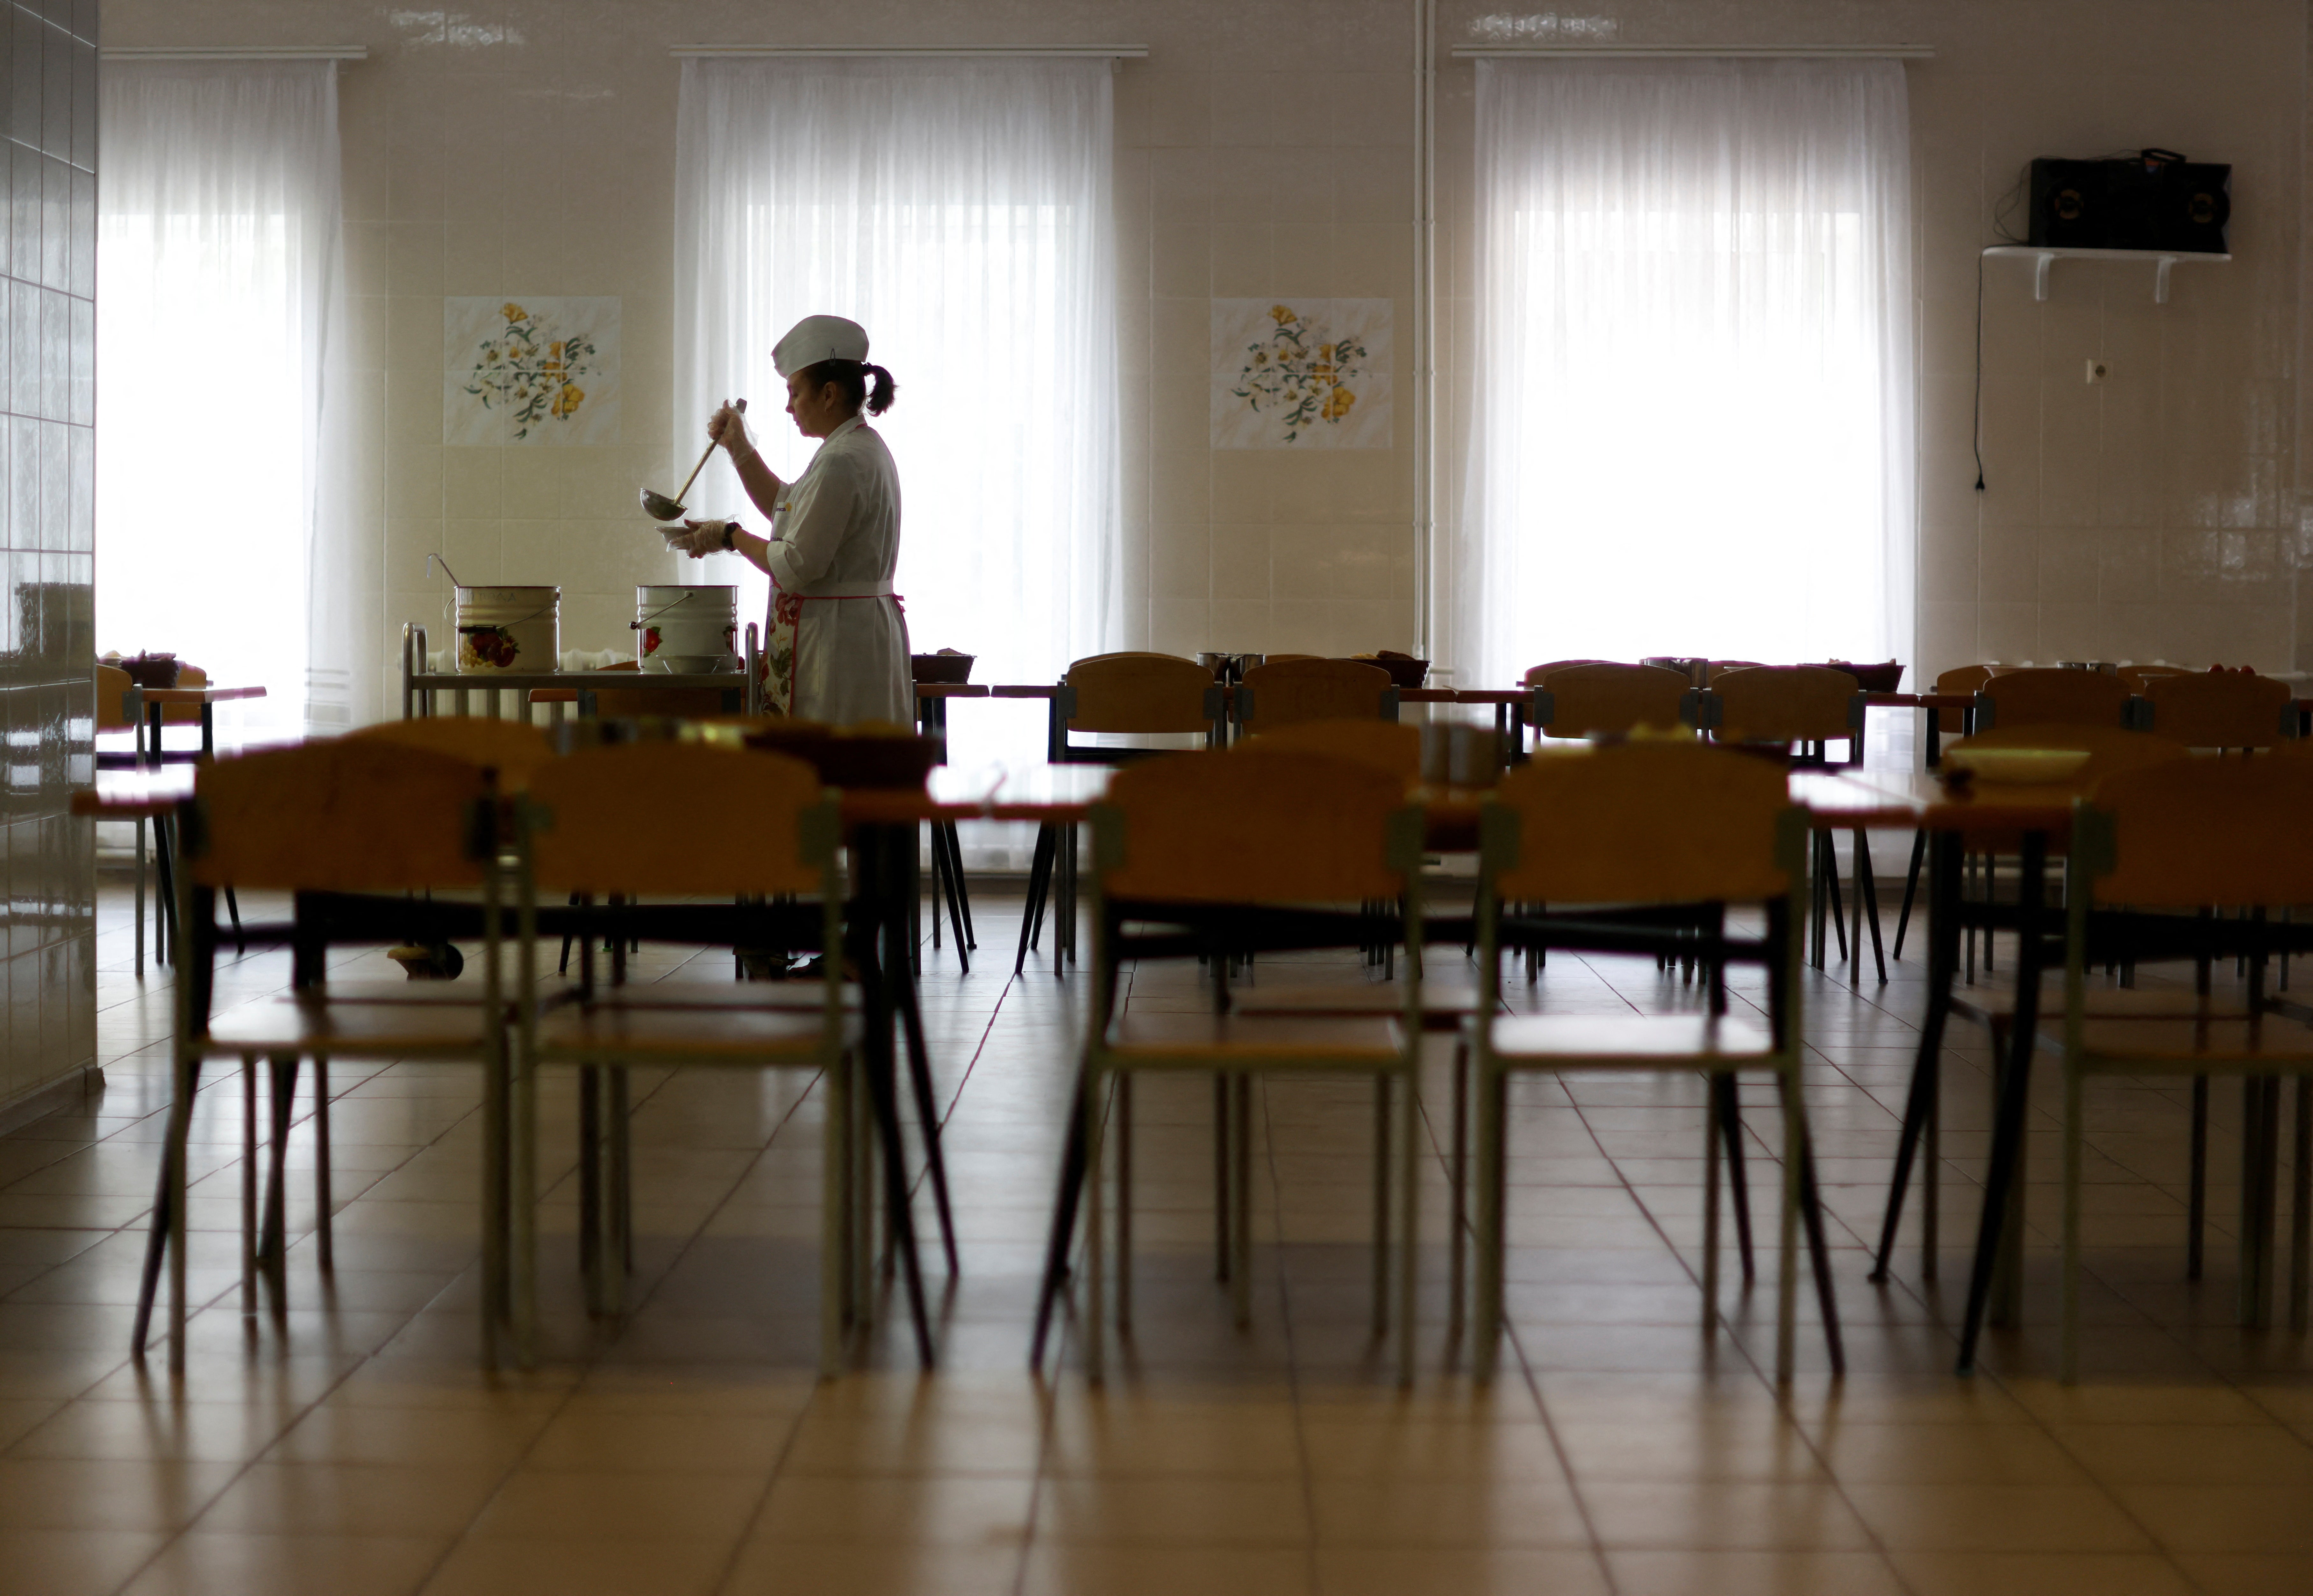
{"x": 835, "y": 544}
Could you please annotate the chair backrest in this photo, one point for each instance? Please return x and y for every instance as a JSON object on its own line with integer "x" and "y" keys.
{"x": 623, "y": 702}
{"x": 610, "y": 820}
{"x": 1139, "y": 694}
{"x": 1255, "y": 827}
{"x": 1640, "y": 823}
{"x": 2220, "y": 710}
{"x": 2137, "y": 675}
{"x": 1376, "y": 744}
{"x": 187, "y": 676}
{"x": 1967, "y": 679}
{"x": 1786, "y": 704}
{"x": 2045, "y": 696}
{"x": 344, "y": 815}
{"x": 2111, "y": 749}
{"x": 112, "y": 685}
{"x": 1535, "y": 673}
{"x": 511, "y": 748}
{"x": 2199, "y": 832}
{"x": 1577, "y": 700}
{"x": 1283, "y": 692}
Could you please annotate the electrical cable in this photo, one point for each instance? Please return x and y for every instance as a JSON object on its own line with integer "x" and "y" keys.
{"x": 1976, "y": 429}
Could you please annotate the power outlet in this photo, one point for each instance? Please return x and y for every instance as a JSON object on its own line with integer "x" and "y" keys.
{"x": 2097, "y": 371}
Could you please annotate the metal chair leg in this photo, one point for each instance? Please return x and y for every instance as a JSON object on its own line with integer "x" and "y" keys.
{"x": 1911, "y": 889}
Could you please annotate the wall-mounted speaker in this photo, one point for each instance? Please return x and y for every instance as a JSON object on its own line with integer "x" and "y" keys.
{"x": 2153, "y": 200}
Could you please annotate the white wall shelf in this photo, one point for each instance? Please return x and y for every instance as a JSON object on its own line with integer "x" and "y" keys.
{"x": 2043, "y": 257}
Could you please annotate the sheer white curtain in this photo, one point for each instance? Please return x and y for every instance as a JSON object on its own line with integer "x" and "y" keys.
{"x": 961, "y": 211}
{"x": 1692, "y": 430}
{"x": 218, "y": 235}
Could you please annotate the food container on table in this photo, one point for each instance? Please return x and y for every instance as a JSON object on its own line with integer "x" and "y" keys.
{"x": 946, "y": 668}
{"x": 686, "y": 631}
{"x": 1405, "y": 672}
{"x": 1872, "y": 678}
{"x": 508, "y": 629}
{"x": 152, "y": 670}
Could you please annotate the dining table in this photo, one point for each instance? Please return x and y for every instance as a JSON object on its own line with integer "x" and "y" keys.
{"x": 151, "y": 702}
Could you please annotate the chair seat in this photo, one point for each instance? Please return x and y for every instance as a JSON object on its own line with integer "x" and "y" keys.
{"x": 789, "y": 996}
{"x": 705, "y": 1032}
{"x": 1676, "y": 1041}
{"x": 1443, "y": 1008}
{"x": 1256, "y": 1042}
{"x": 2192, "y": 1046}
{"x": 348, "y": 1028}
{"x": 1996, "y": 1005}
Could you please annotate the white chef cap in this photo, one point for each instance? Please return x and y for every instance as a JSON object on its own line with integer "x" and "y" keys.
{"x": 815, "y": 338}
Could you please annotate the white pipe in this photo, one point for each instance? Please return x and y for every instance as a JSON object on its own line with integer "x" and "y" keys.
{"x": 1609, "y": 52}
{"x": 1425, "y": 324}
{"x": 254, "y": 52}
{"x": 1131, "y": 52}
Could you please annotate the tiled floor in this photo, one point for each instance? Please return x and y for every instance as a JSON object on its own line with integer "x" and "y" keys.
{"x": 692, "y": 1452}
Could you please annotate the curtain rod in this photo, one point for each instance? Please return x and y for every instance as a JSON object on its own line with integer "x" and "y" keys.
{"x": 1828, "y": 52}
{"x": 1134, "y": 52}
{"x": 255, "y": 52}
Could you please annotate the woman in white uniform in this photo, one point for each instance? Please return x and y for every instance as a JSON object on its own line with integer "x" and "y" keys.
{"x": 836, "y": 642}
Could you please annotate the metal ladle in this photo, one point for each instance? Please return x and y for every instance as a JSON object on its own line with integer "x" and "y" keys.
{"x": 658, "y": 507}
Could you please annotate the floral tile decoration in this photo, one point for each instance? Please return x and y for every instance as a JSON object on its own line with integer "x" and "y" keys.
{"x": 535, "y": 369}
{"x": 1302, "y": 374}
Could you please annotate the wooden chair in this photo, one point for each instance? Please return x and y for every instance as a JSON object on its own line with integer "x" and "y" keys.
{"x": 1812, "y": 706}
{"x": 1221, "y": 853}
{"x": 1126, "y": 694}
{"x": 1645, "y": 825}
{"x": 1535, "y": 673}
{"x": 514, "y": 749}
{"x": 2213, "y": 709}
{"x": 2174, "y": 838}
{"x": 2041, "y": 696}
{"x": 2111, "y": 752}
{"x": 621, "y": 702}
{"x": 116, "y": 714}
{"x": 1584, "y": 700}
{"x": 2136, "y": 676}
{"x": 595, "y": 825}
{"x": 353, "y": 827}
{"x": 1382, "y": 745}
{"x": 1286, "y": 691}
{"x": 1967, "y": 678}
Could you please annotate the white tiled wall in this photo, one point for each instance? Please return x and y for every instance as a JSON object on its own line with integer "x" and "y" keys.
{"x": 527, "y": 146}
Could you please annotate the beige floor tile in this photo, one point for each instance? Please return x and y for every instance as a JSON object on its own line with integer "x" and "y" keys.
{"x": 658, "y": 1505}
{"x": 1457, "y": 1571}
{"x": 474, "y": 1437}
{"x": 2201, "y": 1403}
{"x": 1753, "y": 1573}
{"x": 73, "y": 1562}
{"x": 205, "y": 1564}
{"x": 1722, "y": 1517}
{"x": 594, "y": 1440}
{"x": 1405, "y": 1509}
{"x": 2039, "y": 1574}
{"x": 972, "y": 1509}
{"x": 1174, "y": 1511}
{"x": 2245, "y": 1574}
{"x": 1747, "y": 1443}
{"x": 569, "y": 1567}
{"x": 187, "y": 1431}
{"x": 854, "y": 1568}
{"x": 1946, "y": 1454}
{"x": 2190, "y": 1454}
{"x": 107, "y": 1494}
{"x": 2195, "y": 1519}
{"x": 1086, "y": 1570}
{"x": 1142, "y": 1436}
{"x": 2004, "y": 1517}
{"x": 353, "y": 1499}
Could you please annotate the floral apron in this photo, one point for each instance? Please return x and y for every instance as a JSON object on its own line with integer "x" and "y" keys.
{"x": 783, "y": 641}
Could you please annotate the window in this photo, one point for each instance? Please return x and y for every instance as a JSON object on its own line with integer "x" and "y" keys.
{"x": 1693, "y": 431}
{"x": 217, "y": 241}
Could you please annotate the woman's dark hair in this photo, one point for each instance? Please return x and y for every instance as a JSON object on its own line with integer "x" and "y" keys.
{"x": 851, "y": 377}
